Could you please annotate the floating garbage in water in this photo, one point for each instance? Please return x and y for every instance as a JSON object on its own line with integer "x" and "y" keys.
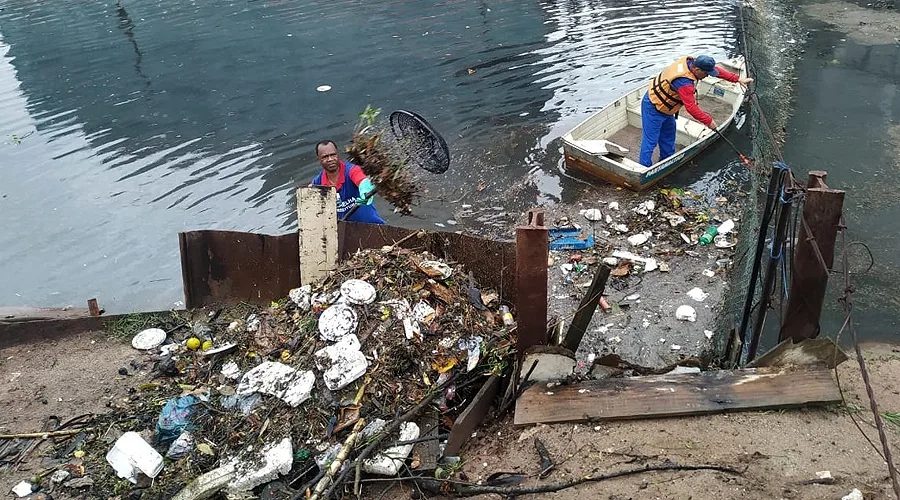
{"x": 645, "y": 207}
{"x": 337, "y": 321}
{"x": 709, "y": 273}
{"x": 708, "y": 333}
{"x": 675, "y": 347}
{"x": 622, "y": 228}
{"x": 686, "y": 313}
{"x": 674, "y": 219}
{"x": 726, "y": 227}
{"x": 280, "y": 380}
{"x": 721, "y": 241}
{"x": 358, "y": 292}
{"x": 697, "y": 294}
{"x": 639, "y": 238}
{"x": 323, "y": 88}
{"x": 613, "y": 205}
{"x": 592, "y": 214}
{"x": 650, "y": 264}
{"x": 341, "y": 363}
{"x": 132, "y": 455}
{"x": 148, "y": 339}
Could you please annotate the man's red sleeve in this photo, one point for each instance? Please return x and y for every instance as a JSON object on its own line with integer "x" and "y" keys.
{"x": 686, "y": 92}
{"x": 727, "y": 75}
{"x": 356, "y": 174}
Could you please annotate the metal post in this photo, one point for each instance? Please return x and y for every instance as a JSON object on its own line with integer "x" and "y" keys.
{"x": 532, "y": 251}
{"x": 775, "y": 256}
{"x": 776, "y": 179}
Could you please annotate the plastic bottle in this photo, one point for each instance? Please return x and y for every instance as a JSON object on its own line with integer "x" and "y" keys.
{"x": 708, "y": 235}
{"x": 507, "y": 316}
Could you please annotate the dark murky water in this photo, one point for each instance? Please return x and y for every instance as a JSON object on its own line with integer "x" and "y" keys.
{"x": 122, "y": 124}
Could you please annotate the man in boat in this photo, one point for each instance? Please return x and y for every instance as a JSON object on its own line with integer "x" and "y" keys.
{"x": 668, "y": 92}
{"x": 352, "y": 185}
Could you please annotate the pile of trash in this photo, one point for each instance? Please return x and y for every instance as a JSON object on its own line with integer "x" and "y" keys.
{"x": 244, "y": 398}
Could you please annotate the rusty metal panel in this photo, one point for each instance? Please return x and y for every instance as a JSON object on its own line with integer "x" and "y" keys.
{"x": 231, "y": 266}
{"x": 532, "y": 252}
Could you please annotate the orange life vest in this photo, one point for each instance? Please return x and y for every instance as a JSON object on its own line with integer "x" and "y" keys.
{"x": 661, "y": 92}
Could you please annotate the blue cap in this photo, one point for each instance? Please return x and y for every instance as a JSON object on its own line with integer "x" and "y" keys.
{"x": 707, "y": 64}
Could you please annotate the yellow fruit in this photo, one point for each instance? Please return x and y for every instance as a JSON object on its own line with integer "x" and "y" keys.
{"x": 207, "y": 344}
{"x": 193, "y": 343}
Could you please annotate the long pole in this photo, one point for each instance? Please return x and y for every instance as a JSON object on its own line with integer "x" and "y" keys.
{"x": 779, "y": 170}
{"x": 775, "y": 256}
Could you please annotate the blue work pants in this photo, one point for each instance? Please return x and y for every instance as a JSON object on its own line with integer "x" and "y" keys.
{"x": 657, "y": 128}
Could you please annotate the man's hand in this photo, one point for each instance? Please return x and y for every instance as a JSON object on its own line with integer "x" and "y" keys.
{"x": 366, "y": 192}
{"x": 745, "y": 81}
{"x": 713, "y": 125}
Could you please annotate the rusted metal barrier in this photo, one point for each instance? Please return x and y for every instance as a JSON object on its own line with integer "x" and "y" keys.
{"x": 532, "y": 252}
{"x": 813, "y": 258}
{"x": 232, "y": 266}
{"x": 228, "y": 266}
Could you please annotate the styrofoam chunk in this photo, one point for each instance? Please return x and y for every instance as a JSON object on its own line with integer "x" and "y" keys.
{"x": 279, "y": 380}
{"x": 131, "y": 455}
{"x": 337, "y": 321}
{"x": 388, "y": 462}
{"x": 274, "y": 460}
{"x": 686, "y": 313}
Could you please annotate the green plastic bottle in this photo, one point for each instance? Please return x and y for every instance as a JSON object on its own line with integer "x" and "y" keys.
{"x": 708, "y": 235}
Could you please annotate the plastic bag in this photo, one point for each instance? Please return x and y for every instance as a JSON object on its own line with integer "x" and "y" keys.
{"x": 174, "y": 418}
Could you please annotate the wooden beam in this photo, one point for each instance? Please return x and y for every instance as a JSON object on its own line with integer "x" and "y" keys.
{"x": 472, "y": 416}
{"x": 813, "y": 258}
{"x": 675, "y": 395}
{"x": 586, "y": 309}
{"x": 532, "y": 252}
{"x": 317, "y": 223}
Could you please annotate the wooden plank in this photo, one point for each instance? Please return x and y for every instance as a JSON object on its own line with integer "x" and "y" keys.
{"x": 428, "y": 452}
{"x": 317, "y": 221}
{"x": 675, "y": 395}
{"x": 586, "y": 309}
{"x": 472, "y": 416}
{"x": 822, "y": 351}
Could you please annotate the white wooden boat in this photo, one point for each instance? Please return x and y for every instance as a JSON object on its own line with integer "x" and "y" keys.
{"x": 607, "y": 144}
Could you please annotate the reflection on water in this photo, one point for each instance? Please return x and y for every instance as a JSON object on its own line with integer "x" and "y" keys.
{"x": 149, "y": 118}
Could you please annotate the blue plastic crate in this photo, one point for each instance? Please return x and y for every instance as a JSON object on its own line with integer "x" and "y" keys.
{"x": 570, "y": 238}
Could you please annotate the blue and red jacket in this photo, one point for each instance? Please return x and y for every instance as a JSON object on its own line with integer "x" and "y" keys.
{"x": 348, "y": 192}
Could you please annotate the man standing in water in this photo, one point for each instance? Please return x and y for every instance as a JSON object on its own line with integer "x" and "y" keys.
{"x": 669, "y": 91}
{"x": 351, "y": 184}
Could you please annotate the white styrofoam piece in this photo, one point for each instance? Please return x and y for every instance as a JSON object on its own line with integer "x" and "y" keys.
{"x": 358, "y": 292}
{"x": 686, "y": 313}
{"x": 337, "y": 321}
{"x": 302, "y": 297}
{"x": 388, "y": 462}
{"x": 274, "y": 460}
{"x": 149, "y": 338}
{"x": 279, "y": 380}
{"x": 342, "y": 362}
{"x": 131, "y": 454}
